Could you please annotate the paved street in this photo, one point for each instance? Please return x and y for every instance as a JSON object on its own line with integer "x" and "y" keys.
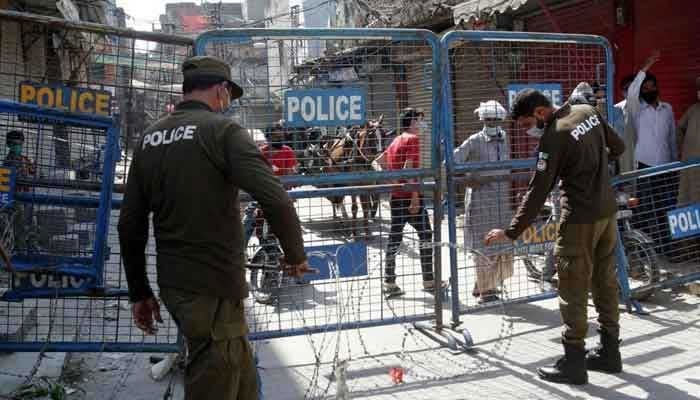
{"x": 659, "y": 352}
{"x": 511, "y": 340}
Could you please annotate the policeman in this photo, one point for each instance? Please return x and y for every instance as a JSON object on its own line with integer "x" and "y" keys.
{"x": 187, "y": 171}
{"x": 575, "y": 147}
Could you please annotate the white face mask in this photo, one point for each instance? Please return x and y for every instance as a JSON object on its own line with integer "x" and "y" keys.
{"x": 423, "y": 126}
{"x": 492, "y": 131}
{"x": 535, "y": 132}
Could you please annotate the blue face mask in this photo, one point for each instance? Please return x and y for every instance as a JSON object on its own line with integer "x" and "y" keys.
{"x": 15, "y": 149}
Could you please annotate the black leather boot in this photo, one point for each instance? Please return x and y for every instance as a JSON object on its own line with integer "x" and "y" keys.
{"x": 606, "y": 356}
{"x": 569, "y": 369}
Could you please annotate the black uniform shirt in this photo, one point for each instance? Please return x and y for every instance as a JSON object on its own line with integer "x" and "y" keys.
{"x": 187, "y": 171}
{"x": 575, "y": 148}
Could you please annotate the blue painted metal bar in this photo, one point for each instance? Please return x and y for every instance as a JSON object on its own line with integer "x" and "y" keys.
{"x": 622, "y": 268}
{"x": 610, "y": 76}
{"x": 336, "y": 327}
{"x": 91, "y": 347}
{"x": 105, "y": 209}
{"x": 68, "y": 118}
{"x": 526, "y": 163}
{"x": 503, "y": 36}
{"x": 357, "y": 177}
{"x": 62, "y": 200}
{"x": 437, "y": 156}
{"x": 18, "y": 295}
{"x": 653, "y": 171}
{"x": 675, "y": 282}
{"x": 448, "y": 145}
{"x": 74, "y": 270}
{"x": 336, "y": 191}
{"x": 519, "y": 300}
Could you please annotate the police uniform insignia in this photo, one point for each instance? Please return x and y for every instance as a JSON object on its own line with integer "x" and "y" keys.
{"x": 542, "y": 165}
{"x": 542, "y": 161}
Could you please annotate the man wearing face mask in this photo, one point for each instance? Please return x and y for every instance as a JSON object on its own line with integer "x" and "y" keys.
{"x": 187, "y": 171}
{"x": 280, "y": 156}
{"x": 26, "y": 235}
{"x": 407, "y": 206}
{"x": 655, "y": 144}
{"x": 689, "y": 128}
{"x": 283, "y": 161}
{"x": 575, "y": 147}
{"x": 487, "y": 200}
{"x": 23, "y": 165}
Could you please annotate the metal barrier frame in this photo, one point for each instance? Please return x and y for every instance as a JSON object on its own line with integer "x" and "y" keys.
{"x": 100, "y": 195}
{"x": 103, "y": 203}
{"x": 449, "y": 134}
{"x": 626, "y": 292}
{"x": 433, "y": 174}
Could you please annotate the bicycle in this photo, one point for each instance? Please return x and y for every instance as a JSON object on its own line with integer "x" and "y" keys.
{"x": 643, "y": 266}
{"x": 269, "y": 274}
{"x": 551, "y": 211}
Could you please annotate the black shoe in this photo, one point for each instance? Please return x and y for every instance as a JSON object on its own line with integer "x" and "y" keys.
{"x": 392, "y": 290}
{"x": 488, "y": 298}
{"x": 606, "y": 356}
{"x": 569, "y": 369}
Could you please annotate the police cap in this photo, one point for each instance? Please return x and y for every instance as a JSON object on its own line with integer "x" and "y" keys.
{"x": 210, "y": 68}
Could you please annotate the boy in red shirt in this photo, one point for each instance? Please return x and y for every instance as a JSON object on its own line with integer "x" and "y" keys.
{"x": 283, "y": 161}
{"x": 280, "y": 156}
{"x": 407, "y": 207}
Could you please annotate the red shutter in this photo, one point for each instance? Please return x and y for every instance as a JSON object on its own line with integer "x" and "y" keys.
{"x": 592, "y": 17}
{"x": 674, "y": 29}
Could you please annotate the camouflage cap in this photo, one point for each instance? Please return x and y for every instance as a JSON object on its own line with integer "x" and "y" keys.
{"x": 207, "y": 67}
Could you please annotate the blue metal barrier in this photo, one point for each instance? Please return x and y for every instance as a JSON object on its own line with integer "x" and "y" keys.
{"x": 388, "y": 69}
{"x": 42, "y": 263}
{"x": 644, "y": 256}
{"x": 479, "y": 66}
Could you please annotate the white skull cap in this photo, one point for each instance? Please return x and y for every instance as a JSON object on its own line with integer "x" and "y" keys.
{"x": 492, "y": 110}
{"x": 582, "y": 91}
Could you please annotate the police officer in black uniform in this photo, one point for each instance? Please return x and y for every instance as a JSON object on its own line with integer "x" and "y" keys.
{"x": 187, "y": 172}
{"x": 575, "y": 146}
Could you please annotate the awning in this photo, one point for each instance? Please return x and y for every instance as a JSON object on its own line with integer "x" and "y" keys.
{"x": 475, "y": 8}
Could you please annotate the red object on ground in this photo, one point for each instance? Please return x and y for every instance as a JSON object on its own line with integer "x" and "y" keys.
{"x": 396, "y": 374}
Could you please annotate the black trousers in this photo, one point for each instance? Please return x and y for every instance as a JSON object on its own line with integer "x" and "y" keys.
{"x": 421, "y": 223}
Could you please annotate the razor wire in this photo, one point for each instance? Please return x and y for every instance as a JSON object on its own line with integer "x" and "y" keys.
{"x": 410, "y": 336}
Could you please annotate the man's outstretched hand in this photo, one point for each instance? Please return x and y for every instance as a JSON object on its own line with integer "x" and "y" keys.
{"x": 298, "y": 270}
{"x": 494, "y": 236}
{"x": 144, "y": 313}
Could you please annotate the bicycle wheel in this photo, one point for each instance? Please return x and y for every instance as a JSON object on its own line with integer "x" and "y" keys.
{"x": 265, "y": 283}
{"x": 532, "y": 265}
{"x": 643, "y": 269}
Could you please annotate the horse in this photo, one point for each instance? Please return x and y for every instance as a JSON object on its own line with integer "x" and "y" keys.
{"x": 354, "y": 151}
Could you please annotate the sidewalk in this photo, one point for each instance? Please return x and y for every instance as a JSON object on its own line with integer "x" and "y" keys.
{"x": 659, "y": 352}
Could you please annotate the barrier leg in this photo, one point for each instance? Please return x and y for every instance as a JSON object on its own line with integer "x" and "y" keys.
{"x": 633, "y": 306}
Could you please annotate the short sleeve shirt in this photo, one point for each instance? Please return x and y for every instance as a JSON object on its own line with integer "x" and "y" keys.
{"x": 405, "y": 147}
{"x": 282, "y": 158}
